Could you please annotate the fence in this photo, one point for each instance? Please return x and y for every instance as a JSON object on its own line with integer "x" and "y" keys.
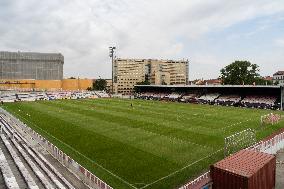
{"x": 79, "y": 171}
{"x": 270, "y": 146}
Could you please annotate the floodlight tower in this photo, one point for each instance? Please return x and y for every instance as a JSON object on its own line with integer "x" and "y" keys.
{"x": 111, "y": 52}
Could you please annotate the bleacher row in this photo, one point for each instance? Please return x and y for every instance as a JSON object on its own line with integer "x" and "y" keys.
{"x": 9, "y": 96}
{"x": 260, "y": 101}
{"x": 22, "y": 166}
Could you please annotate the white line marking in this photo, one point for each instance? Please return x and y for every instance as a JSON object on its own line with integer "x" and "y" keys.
{"x": 181, "y": 169}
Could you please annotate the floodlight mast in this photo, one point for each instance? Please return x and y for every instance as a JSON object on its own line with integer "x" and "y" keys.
{"x": 111, "y": 52}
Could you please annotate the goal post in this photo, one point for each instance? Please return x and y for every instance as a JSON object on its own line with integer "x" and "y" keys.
{"x": 239, "y": 141}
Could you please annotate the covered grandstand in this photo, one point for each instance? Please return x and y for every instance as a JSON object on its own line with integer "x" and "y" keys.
{"x": 265, "y": 96}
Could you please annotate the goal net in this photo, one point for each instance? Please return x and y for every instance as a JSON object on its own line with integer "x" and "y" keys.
{"x": 239, "y": 141}
{"x": 270, "y": 119}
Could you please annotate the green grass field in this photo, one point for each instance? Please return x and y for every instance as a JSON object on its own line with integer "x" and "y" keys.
{"x": 153, "y": 144}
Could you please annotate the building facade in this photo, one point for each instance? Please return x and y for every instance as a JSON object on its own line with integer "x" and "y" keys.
{"x": 46, "y": 85}
{"x": 31, "y": 65}
{"x": 278, "y": 77}
{"x": 129, "y": 72}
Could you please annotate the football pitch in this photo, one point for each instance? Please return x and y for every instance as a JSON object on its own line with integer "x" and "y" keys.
{"x": 149, "y": 144}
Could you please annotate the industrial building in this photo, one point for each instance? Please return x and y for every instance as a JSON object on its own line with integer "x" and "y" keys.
{"x": 129, "y": 72}
{"x": 31, "y": 65}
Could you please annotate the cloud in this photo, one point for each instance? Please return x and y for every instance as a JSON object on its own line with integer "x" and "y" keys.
{"x": 279, "y": 42}
{"x": 83, "y": 30}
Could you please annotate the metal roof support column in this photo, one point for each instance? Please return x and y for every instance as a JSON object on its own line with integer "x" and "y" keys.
{"x": 282, "y": 96}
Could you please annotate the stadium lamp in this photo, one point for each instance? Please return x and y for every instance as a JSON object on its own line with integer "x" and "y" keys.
{"x": 111, "y": 52}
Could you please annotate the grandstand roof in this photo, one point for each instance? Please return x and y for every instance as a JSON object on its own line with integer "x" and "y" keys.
{"x": 245, "y": 162}
{"x": 213, "y": 86}
{"x": 279, "y": 73}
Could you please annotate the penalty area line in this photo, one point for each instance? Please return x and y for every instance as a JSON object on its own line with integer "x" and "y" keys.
{"x": 92, "y": 161}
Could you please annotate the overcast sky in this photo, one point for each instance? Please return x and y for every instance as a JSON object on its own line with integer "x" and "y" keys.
{"x": 210, "y": 33}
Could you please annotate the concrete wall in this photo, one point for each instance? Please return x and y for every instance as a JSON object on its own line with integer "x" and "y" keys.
{"x": 47, "y": 85}
{"x": 75, "y": 84}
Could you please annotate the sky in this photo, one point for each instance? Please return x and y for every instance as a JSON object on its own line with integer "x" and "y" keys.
{"x": 209, "y": 33}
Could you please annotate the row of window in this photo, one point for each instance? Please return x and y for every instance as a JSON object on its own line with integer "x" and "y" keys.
{"x": 279, "y": 77}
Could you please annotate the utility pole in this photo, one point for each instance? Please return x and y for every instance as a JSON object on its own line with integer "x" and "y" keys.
{"x": 111, "y": 52}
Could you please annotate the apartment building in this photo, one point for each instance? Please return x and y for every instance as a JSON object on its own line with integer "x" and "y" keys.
{"x": 278, "y": 77}
{"x": 128, "y": 72}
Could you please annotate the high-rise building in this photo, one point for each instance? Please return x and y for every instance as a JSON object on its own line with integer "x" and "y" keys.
{"x": 31, "y": 65}
{"x": 129, "y": 72}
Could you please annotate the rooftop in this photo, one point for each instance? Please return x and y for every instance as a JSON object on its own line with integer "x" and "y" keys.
{"x": 31, "y": 56}
{"x": 244, "y": 162}
{"x": 279, "y": 73}
{"x": 211, "y": 86}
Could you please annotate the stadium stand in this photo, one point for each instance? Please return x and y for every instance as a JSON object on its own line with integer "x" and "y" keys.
{"x": 265, "y": 97}
{"x": 8, "y": 97}
{"x": 9, "y": 178}
{"x": 172, "y": 97}
{"x": 208, "y": 98}
{"x": 33, "y": 96}
{"x": 22, "y": 166}
{"x": 228, "y": 100}
{"x": 151, "y": 96}
{"x": 264, "y": 102}
{"x": 190, "y": 98}
{"x": 102, "y": 94}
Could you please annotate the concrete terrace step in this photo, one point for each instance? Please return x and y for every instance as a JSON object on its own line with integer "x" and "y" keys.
{"x": 16, "y": 173}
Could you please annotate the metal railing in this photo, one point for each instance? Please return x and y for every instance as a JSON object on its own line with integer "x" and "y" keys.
{"x": 203, "y": 181}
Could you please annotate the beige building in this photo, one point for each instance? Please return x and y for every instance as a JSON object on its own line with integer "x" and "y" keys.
{"x": 128, "y": 72}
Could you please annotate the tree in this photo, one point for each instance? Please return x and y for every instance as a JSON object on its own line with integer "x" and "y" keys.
{"x": 143, "y": 83}
{"x": 262, "y": 81}
{"x": 100, "y": 84}
{"x": 240, "y": 72}
{"x": 146, "y": 82}
{"x": 72, "y": 77}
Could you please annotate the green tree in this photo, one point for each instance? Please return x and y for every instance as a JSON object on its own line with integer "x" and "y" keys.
{"x": 240, "y": 72}
{"x": 89, "y": 89}
{"x": 143, "y": 83}
{"x": 146, "y": 82}
{"x": 100, "y": 84}
{"x": 262, "y": 81}
{"x": 164, "y": 83}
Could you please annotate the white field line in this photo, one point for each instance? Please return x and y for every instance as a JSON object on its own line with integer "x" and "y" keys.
{"x": 165, "y": 136}
{"x": 234, "y": 124}
{"x": 118, "y": 177}
{"x": 173, "y": 173}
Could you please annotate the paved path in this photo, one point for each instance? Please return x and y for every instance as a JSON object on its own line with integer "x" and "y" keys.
{"x": 280, "y": 169}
